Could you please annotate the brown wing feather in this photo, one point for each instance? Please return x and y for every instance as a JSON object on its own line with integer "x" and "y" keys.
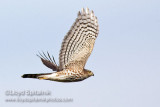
{"x": 49, "y": 64}
{"x": 47, "y": 61}
{"x": 79, "y": 41}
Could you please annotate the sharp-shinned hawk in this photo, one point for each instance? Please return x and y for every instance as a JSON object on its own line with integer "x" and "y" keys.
{"x": 75, "y": 50}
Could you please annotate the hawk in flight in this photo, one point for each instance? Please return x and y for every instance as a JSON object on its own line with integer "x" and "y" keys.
{"x": 75, "y": 50}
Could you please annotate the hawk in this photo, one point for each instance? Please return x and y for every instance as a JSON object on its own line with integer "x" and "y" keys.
{"x": 75, "y": 50}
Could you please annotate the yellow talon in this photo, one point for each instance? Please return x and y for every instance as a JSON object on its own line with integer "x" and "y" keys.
{"x": 42, "y": 78}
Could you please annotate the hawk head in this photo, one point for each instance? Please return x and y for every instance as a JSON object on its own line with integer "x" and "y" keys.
{"x": 88, "y": 73}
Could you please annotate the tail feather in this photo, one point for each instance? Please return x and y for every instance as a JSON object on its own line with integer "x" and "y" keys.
{"x": 34, "y": 75}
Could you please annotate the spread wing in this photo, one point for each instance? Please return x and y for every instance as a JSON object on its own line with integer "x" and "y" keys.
{"x": 79, "y": 41}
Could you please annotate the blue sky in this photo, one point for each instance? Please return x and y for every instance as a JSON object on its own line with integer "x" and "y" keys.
{"x": 125, "y": 59}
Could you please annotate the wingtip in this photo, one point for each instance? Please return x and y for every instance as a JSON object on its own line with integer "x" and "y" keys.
{"x": 83, "y": 10}
{"x": 79, "y": 13}
{"x": 87, "y": 10}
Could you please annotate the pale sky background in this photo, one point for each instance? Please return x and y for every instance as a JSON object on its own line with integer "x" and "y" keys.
{"x": 125, "y": 59}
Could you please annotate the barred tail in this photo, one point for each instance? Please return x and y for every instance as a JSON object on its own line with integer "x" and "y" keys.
{"x": 34, "y": 75}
